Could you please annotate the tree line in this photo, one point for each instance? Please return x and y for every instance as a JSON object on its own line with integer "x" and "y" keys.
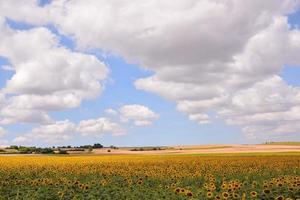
{"x": 53, "y": 150}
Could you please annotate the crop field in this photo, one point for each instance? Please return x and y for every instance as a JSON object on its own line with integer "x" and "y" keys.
{"x": 150, "y": 177}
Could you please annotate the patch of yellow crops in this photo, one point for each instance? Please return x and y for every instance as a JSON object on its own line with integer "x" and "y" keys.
{"x": 149, "y": 177}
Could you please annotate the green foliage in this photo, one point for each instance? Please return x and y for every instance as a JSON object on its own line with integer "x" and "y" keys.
{"x": 97, "y": 146}
{"x": 29, "y": 150}
{"x": 86, "y": 146}
{"x": 13, "y": 147}
{"x": 94, "y": 146}
{"x": 60, "y": 151}
{"x": 146, "y": 149}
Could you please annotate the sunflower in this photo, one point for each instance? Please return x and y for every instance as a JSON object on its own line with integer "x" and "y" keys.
{"x": 253, "y": 194}
{"x": 279, "y": 198}
{"x": 209, "y": 195}
{"x": 177, "y": 190}
{"x": 266, "y": 191}
{"x": 279, "y": 184}
{"x": 173, "y": 185}
{"x": 139, "y": 182}
{"x": 189, "y": 194}
{"x": 76, "y": 182}
{"x": 224, "y": 186}
{"x": 225, "y": 195}
{"x": 236, "y": 196}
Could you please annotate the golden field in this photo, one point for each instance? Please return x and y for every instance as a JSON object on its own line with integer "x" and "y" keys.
{"x": 151, "y": 177}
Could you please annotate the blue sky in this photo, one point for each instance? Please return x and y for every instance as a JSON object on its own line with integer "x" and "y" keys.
{"x": 173, "y": 127}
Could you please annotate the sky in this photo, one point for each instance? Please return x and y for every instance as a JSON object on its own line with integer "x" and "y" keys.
{"x": 137, "y": 73}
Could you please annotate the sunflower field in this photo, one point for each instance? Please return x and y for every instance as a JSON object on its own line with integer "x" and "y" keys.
{"x": 150, "y": 177}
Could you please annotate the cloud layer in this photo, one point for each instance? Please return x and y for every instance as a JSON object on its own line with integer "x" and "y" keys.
{"x": 215, "y": 59}
{"x": 139, "y": 114}
{"x": 63, "y": 131}
{"x": 47, "y": 76}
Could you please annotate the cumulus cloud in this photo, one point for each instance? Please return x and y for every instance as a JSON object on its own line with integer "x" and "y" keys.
{"x": 263, "y": 108}
{"x": 98, "y": 127}
{"x": 52, "y": 133}
{"x": 50, "y": 69}
{"x": 139, "y": 114}
{"x": 201, "y": 118}
{"x": 63, "y": 131}
{"x": 47, "y": 76}
{"x": 12, "y": 116}
{"x": 221, "y": 57}
{"x": 111, "y": 112}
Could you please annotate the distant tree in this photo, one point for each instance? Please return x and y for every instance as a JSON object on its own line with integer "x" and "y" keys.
{"x": 46, "y": 151}
{"x": 97, "y": 146}
{"x": 60, "y": 151}
{"x": 25, "y": 150}
{"x": 13, "y": 147}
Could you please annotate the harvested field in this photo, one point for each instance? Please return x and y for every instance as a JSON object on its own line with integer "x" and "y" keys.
{"x": 199, "y": 149}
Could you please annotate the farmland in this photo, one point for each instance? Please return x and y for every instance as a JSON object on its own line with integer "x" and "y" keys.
{"x": 205, "y": 176}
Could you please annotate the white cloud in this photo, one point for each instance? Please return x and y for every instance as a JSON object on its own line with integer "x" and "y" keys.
{"x": 2, "y": 132}
{"x": 21, "y": 140}
{"x": 12, "y": 116}
{"x": 51, "y": 134}
{"x": 98, "y": 127}
{"x": 24, "y": 10}
{"x": 63, "y": 131}
{"x": 49, "y": 68}
{"x": 47, "y": 76}
{"x": 270, "y": 107}
{"x": 139, "y": 114}
{"x": 170, "y": 33}
{"x": 200, "y": 118}
{"x": 111, "y": 112}
{"x": 2, "y": 98}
